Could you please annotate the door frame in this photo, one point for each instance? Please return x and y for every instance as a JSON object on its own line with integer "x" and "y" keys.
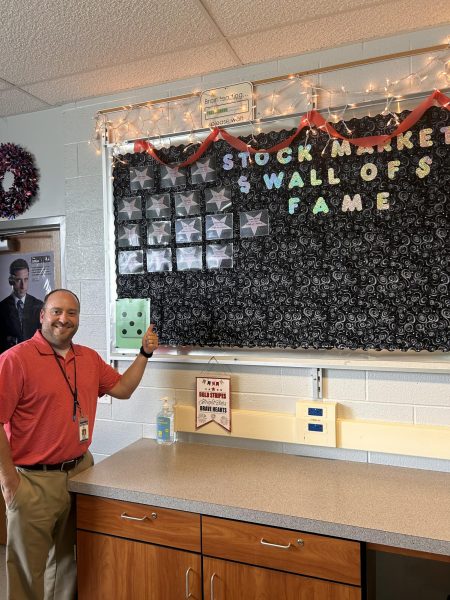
{"x": 40, "y": 224}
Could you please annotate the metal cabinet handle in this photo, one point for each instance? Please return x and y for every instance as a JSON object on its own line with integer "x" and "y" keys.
{"x": 129, "y": 518}
{"x": 188, "y": 593}
{"x": 212, "y": 585}
{"x": 266, "y": 543}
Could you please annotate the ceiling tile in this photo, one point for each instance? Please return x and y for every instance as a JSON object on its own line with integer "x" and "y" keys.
{"x": 260, "y": 15}
{"x": 4, "y": 85}
{"x": 328, "y": 32}
{"x": 45, "y": 40}
{"x": 158, "y": 69}
{"x": 15, "y": 102}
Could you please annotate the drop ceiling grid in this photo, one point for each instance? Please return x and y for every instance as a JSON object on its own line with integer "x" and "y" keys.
{"x": 79, "y": 49}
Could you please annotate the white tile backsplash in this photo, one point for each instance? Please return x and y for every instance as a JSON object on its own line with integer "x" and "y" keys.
{"x": 432, "y": 415}
{"x": 409, "y": 388}
{"x": 111, "y": 436}
{"x": 395, "y": 413}
{"x": 345, "y": 385}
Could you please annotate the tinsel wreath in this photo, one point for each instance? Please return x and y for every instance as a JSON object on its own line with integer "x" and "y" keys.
{"x": 21, "y": 164}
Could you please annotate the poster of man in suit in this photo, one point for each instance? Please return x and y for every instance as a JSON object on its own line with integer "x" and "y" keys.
{"x": 25, "y": 279}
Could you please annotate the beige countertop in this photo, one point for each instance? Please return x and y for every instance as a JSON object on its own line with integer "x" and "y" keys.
{"x": 406, "y": 508}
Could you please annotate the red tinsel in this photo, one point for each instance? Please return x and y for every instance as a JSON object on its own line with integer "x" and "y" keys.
{"x": 24, "y": 188}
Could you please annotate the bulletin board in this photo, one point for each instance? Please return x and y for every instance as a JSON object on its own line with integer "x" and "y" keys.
{"x": 321, "y": 245}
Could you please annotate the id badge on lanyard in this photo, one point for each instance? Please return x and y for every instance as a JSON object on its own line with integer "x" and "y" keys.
{"x": 83, "y": 429}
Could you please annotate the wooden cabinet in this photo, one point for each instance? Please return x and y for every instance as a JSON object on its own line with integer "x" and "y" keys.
{"x": 283, "y": 549}
{"x": 122, "y": 552}
{"x": 226, "y": 580}
{"x": 130, "y": 551}
{"x": 314, "y": 559}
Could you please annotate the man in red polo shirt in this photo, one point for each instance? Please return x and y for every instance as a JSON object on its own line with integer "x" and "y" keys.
{"x": 48, "y": 397}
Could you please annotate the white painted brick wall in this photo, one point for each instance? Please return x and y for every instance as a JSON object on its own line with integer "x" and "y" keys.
{"x": 399, "y": 397}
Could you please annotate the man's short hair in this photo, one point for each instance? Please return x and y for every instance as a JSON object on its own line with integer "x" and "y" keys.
{"x": 60, "y": 290}
{"x": 18, "y": 265}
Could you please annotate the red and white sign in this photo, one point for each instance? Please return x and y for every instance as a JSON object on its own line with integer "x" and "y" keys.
{"x": 213, "y": 401}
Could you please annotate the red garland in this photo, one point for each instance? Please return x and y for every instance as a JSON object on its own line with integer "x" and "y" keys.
{"x": 311, "y": 118}
{"x": 20, "y": 163}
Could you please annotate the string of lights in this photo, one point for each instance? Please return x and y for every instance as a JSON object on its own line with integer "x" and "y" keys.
{"x": 157, "y": 120}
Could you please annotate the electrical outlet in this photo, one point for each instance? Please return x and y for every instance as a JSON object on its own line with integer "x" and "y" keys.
{"x": 316, "y": 423}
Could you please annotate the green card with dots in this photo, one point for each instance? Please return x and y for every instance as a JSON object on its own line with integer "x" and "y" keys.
{"x": 132, "y": 320}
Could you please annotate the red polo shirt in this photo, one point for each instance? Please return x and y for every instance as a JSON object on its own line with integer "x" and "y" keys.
{"x": 36, "y": 404}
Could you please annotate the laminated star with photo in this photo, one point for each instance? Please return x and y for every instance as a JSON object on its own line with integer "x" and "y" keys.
{"x": 254, "y": 223}
{"x": 219, "y": 227}
{"x": 129, "y": 235}
{"x": 218, "y": 199}
{"x": 129, "y": 208}
{"x": 159, "y": 261}
{"x": 158, "y": 206}
{"x": 204, "y": 170}
{"x": 141, "y": 178}
{"x": 172, "y": 176}
{"x": 158, "y": 233}
{"x": 219, "y": 256}
{"x": 188, "y": 230}
{"x": 189, "y": 257}
{"x": 187, "y": 203}
{"x": 131, "y": 262}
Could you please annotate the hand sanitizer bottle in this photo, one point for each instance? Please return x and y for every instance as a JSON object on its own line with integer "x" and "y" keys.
{"x": 165, "y": 433}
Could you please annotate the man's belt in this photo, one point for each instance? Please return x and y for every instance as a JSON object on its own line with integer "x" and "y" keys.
{"x": 67, "y": 465}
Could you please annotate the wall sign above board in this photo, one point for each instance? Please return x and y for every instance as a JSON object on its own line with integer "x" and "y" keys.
{"x": 320, "y": 245}
{"x": 227, "y": 105}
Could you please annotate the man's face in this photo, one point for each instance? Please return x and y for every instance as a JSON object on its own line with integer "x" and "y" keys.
{"x": 20, "y": 282}
{"x": 59, "y": 319}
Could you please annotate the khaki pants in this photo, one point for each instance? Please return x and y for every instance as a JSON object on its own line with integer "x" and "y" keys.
{"x": 40, "y": 558}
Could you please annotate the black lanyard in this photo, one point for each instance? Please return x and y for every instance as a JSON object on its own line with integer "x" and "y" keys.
{"x": 74, "y": 391}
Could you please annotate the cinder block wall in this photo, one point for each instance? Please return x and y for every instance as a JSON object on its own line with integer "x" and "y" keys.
{"x": 398, "y": 397}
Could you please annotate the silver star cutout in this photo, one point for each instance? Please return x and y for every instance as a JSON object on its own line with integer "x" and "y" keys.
{"x": 158, "y": 259}
{"x": 188, "y": 229}
{"x": 253, "y": 222}
{"x": 190, "y": 256}
{"x": 131, "y": 235}
{"x": 219, "y": 198}
{"x": 219, "y": 254}
{"x": 187, "y": 202}
{"x": 158, "y": 204}
{"x": 219, "y": 225}
{"x": 158, "y": 231}
{"x": 173, "y": 173}
{"x": 141, "y": 177}
{"x": 202, "y": 169}
{"x": 129, "y": 207}
{"x": 129, "y": 262}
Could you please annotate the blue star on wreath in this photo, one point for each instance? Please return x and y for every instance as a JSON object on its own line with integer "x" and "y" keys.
{"x": 21, "y": 164}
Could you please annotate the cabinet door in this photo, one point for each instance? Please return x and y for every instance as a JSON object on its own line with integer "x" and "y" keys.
{"x": 111, "y": 568}
{"x": 225, "y": 580}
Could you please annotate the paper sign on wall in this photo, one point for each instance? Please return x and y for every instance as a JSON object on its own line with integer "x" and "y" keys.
{"x": 213, "y": 401}
{"x": 227, "y": 105}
